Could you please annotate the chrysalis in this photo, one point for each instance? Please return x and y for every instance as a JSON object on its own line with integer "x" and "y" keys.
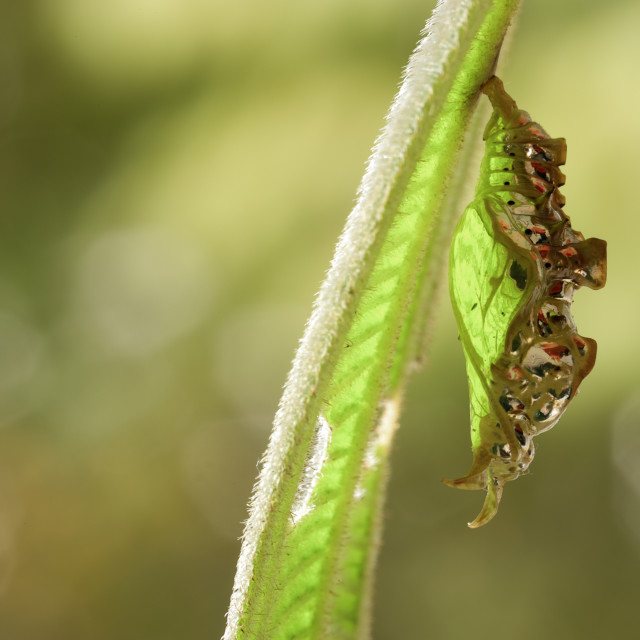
{"x": 515, "y": 263}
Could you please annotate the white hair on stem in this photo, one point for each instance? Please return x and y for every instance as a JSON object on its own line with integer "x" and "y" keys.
{"x": 426, "y": 67}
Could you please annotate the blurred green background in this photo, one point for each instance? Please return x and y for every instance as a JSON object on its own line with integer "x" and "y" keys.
{"x": 174, "y": 175}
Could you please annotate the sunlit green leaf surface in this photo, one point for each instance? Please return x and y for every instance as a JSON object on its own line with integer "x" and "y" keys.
{"x": 309, "y": 548}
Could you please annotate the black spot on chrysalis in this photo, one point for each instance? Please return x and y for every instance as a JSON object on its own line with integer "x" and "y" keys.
{"x": 519, "y": 274}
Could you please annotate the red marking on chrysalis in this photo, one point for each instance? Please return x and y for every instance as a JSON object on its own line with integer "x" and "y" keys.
{"x": 568, "y": 252}
{"x": 540, "y": 170}
{"x": 555, "y": 288}
{"x": 555, "y": 350}
{"x": 579, "y": 342}
{"x": 515, "y": 373}
{"x": 539, "y": 133}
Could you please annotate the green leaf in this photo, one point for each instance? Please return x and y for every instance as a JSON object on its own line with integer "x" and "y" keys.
{"x": 308, "y": 553}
